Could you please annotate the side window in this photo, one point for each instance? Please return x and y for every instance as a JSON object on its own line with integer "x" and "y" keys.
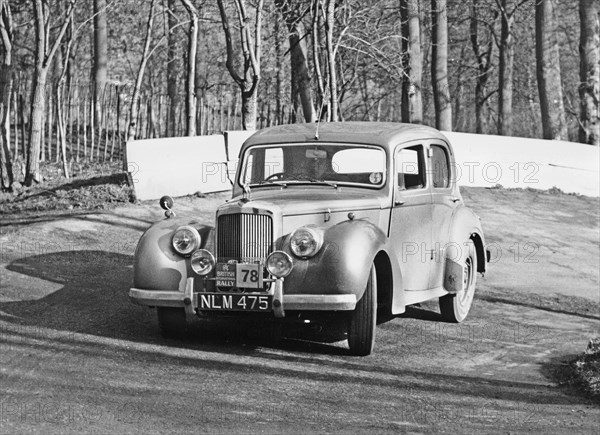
{"x": 440, "y": 167}
{"x": 410, "y": 168}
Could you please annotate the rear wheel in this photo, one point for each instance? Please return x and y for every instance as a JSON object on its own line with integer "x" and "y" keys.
{"x": 455, "y": 307}
{"x": 362, "y": 323}
{"x": 171, "y": 321}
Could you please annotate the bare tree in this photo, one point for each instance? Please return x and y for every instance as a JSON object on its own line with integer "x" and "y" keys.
{"x": 301, "y": 80}
{"x": 250, "y": 41}
{"x": 331, "y": 52}
{"x": 412, "y": 62}
{"x": 552, "y": 107}
{"x": 316, "y": 57}
{"x": 60, "y": 116}
{"x": 44, "y": 53}
{"x": 589, "y": 72}
{"x": 135, "y": 99}
{"x": 6, "y": 80}
{"x": 439, "y": 65}
{"x": 174, "y": 65}
{"x": 483, "y": 51}
{"x": 191, "y": 69}
{"x": 508, "y": 9}
{"x": 100, "y": 65}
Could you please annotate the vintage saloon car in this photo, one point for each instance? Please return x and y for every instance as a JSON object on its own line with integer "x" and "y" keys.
{"x": 351, "y": 218}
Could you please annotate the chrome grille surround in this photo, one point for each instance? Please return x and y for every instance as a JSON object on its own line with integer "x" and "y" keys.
{"x": 244, "y": 237}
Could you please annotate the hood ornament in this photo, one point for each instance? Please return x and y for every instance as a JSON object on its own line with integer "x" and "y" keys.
{"x": 247, "y": 192}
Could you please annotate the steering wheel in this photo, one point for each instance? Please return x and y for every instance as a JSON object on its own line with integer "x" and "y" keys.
{"x": 278, "y": 175}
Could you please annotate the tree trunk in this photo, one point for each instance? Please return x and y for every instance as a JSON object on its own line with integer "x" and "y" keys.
{"x": 589, "y": 72}
{"x": 36, "y": 125}
{"x": 100, "y": 56}
{"x": 251, "y": 48}
{"x": 249, "y": 110}
{"x": 191, "y": 71}
{"x": 333, "y": 91}
{"x": 301, "y": 80}
{"x": 484, "y": 67}
{"x": 134, "y": 108}
{"x": 412, "y": 102}
{"x": 439, "y": 65}
{"x": 174, "y": 67}
{"x": 554, "y": 124}
{"x": 6, "y": 81}
{"x": 507, "y": 56}
{"x": 43, "y": 60}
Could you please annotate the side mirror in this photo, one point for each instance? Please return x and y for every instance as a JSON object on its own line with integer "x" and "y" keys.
{"x": 166, "y": 202}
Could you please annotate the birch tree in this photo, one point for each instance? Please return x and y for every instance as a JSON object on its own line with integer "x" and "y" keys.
{"x": 331, "y": 52}
{"x": 100, "y": 65}
{"x": 439, "y": 65}
{"x": 135, "y": 99}
{"x": 412, "y": 62}
{"x": 6, "y": 70}
{"x": 45, "y": 50}
{"x": 174, "y": 64}
{"x": 190, "y": 98}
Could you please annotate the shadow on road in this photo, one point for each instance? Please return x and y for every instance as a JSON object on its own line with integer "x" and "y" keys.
{"x": 94, "y": 300}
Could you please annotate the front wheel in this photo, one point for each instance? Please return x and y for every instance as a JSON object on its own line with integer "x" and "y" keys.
{"x": 362, "y": 323}
{"x": 171, "y": 321}
{"x": 455, "y": 307}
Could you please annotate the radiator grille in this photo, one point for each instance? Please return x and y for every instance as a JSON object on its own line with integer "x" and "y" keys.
{"x": 244, "y": 237}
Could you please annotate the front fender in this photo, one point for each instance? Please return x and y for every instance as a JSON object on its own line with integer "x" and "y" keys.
{"x": 342, "y": 265}
{"x": 156, "y": 265}
{"x": 466, "y": 225}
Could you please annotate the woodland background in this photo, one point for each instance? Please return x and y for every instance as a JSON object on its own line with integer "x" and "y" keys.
{"x": 81, "y": 77}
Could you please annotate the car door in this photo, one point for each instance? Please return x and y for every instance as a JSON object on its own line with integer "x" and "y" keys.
{"x": 410, "y": 220}
{"x": 443, "y": 204}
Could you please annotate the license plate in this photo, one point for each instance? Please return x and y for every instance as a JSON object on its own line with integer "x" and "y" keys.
{"x": 234, "y": 302}
{"x": 239, "y": 275}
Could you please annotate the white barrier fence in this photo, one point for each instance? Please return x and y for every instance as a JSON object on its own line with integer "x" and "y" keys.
{"x": 485, "y": 160}
{"x": 186, "y": 165}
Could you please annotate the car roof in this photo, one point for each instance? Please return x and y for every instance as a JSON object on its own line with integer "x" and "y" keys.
{"x": 386, "y": 134}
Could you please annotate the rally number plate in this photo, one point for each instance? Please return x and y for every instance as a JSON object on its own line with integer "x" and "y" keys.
{"x": 239, "y": 275}
{"x": 234, "y": 302}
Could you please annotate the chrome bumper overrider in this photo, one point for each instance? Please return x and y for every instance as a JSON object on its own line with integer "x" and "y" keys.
{"x": 189, "y": 300}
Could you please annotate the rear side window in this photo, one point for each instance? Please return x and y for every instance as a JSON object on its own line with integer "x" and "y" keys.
{"x": 410, "y": 168}
{"x": 440, "y": 167}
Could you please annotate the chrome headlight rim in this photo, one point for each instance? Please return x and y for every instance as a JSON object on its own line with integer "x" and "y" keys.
{"x": 283, "y": 255}
{"x": 317, "y": 241}
{"x": 194, "y": 242}
{"x": 205, "y": 255}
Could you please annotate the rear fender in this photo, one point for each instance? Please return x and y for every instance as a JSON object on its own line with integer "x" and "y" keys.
{"x": 465, "y": 226}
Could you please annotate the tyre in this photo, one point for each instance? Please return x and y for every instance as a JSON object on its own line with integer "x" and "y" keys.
{"x": 455, "y": 307}
{"x": 171, "y": 321}
{"x": 363, "y": 320}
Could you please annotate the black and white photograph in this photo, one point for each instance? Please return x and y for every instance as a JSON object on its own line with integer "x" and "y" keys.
{"x": 299, "y": 216}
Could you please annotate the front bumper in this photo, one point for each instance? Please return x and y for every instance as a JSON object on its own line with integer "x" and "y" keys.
{"x": 188, "y": 299}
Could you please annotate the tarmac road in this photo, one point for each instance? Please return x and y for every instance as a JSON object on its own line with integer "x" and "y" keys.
{"x": 76, "y": 356}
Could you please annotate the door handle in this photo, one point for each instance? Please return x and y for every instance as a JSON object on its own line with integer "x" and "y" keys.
{"x": 399, "y": 202}
{"x": 454, "y": 199}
